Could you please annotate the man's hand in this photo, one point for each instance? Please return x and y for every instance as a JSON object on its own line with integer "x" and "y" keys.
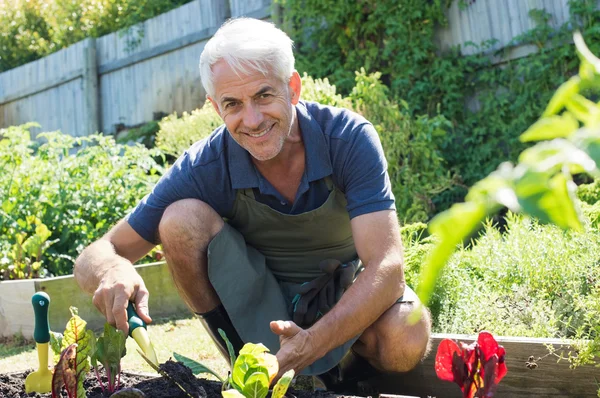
{"x": 119, "y": 285}
{"x": 297, "y": 347}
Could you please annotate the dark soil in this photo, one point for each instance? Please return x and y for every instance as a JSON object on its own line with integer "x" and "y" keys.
{"x": 13, "y": 385}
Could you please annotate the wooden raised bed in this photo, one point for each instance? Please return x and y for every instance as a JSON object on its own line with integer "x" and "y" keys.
{"x": 549, "y": 379}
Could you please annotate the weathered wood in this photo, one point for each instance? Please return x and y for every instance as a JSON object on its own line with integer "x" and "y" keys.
{"x": 549, "y": 379}
{"x": 173, "y": 45}
{"x": 259, "y": 9}
{"x": 16, "y": 311}
{"x": 91, "y": 108}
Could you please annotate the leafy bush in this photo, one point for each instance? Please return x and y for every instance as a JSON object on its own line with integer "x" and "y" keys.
{"x": 589, "y": 193}
{"x": 32, "y": 29}
{"x": 178, "y": 134}
{"x": 416, "y": 168}
{"x": 54, "y": 200}
{"x": 533, "y": 280}
{"x": 333, "y": 38}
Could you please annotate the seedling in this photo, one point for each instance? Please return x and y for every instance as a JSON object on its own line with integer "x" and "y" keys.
{"x": 252, "y": 373}
{"x": 109, "y": 349}
{"x": 73, "y": 364}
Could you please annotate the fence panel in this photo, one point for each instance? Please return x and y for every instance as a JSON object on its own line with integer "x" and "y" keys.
{"x": 153, "y": 69}
{"x": 50, "y": 91}
{"x": 484, "y": 20}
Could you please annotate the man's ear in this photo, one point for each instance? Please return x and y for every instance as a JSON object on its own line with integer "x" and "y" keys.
{"x": 295, "y": 87}
{"x": 214, "y": 104}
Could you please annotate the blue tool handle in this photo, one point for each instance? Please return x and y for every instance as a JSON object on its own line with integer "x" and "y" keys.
{"x": 134, "y": 320}
{"x": 41, "y": 331}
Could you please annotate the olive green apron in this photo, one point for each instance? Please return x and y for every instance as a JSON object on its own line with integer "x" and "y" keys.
{"x": 254, "y": 270}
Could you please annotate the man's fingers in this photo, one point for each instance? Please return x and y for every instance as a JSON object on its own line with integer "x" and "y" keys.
{"x": 119, "y": 312}
{"x": 141, "y": 304}
{"x": 284, "y": 328}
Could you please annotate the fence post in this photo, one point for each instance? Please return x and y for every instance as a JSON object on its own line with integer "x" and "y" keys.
{"x": 91, "y": 106}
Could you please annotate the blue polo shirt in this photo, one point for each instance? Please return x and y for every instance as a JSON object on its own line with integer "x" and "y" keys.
{"x": 338, "y": 143}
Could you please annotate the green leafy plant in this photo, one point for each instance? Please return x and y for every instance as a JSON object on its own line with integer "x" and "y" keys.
{"x": 108, "y": 350}
{"x": 253, "y": 371}
{"x": 53, "y": 203}
{"x": 77, "y": 344}
{"x": 540, "y": 185}
{"x": 399, "y": 39}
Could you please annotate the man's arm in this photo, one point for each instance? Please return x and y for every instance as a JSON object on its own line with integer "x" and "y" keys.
{"x": 105, "y": 269}
{"x": 379, "y": 246}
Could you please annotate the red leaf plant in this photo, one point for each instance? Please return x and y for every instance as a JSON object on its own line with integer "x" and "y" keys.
{"x": 476, "y": 368}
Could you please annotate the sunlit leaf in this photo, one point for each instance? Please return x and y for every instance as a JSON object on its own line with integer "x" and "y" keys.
{"x": 257, "y": 385}
{"x": 232, "y": 394}
{"x": 583, "y": 109}
{"x": 551, "y": 127}
{"x": 563, "y": 94}
{"x": 550, "y": 201}
{"x": 452, "y": 227}
{"x": 283, "y": 384}
{"x": 196, "y": 367}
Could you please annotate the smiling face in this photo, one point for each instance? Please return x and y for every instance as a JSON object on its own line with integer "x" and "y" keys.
{"x": 258, "y": 110}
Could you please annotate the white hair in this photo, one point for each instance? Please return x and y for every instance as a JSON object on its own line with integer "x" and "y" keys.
{"x": 248, "y": 45}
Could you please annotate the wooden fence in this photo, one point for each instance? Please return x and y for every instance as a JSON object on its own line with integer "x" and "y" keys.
{"x": 123, "y": 80}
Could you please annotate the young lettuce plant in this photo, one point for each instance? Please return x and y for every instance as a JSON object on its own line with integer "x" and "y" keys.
{"x": 73, "y": 365}
{"x": 253, "y": 371}
{"x": 109, "y": 349}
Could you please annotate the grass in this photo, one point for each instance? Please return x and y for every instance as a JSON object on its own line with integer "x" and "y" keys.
{"x": 184, "y": 336}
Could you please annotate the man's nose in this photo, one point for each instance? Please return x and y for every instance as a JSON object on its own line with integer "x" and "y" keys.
{"x": 253, "y": 116}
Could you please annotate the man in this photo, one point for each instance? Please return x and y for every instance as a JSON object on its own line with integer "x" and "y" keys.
{"x": 272, "y": 218}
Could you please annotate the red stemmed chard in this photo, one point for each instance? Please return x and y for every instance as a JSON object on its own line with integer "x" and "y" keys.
{"x": 476, "y": 368}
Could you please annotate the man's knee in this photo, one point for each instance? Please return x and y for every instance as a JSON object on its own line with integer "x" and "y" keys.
{"x": 405, "y": 345}
{"x": 189, "y": 220}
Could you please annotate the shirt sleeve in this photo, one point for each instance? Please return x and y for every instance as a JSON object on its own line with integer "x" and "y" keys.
{"x": 364, "y": 173}
{"x": 177, "y": 183}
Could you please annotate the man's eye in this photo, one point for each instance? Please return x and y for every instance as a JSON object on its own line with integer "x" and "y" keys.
{"x": 264, "y": 96}
{"x": 230, "y": 105}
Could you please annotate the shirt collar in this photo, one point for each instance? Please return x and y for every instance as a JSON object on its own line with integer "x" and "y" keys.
{"x": 243, "y": 174}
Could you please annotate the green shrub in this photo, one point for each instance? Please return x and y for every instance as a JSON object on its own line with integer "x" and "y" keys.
{"x": 333, "y": 38}
{"x": 177, "y": 134}
{"x": 32, "y": 29}
{"x": 589, "y": 193}
{"x": 411, "y": 145}
{"x": 54, "y": 200}
{"x": 532, "y": 280}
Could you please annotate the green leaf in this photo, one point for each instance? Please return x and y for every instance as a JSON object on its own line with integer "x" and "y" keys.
{"x": 232, "y": 357}
{"x": 253, "y": 349}
{"x": 452, "y": 227}
{"x": 232, "y": 394}
{"x": 562, "y": 95}
{"x": 550, "y": 200}
{"x": 56, "y": 342}
{"x": 584, "y": 110}
{"x": 257, "y": 385}
{"x": 551, "y": 127}
{"x": 76, "y": 333}
{"x": 283, "y": 384}
{"x": 196, "y": 367}
{"x": 242, "y": 364}
{"x": 109, "y": 349}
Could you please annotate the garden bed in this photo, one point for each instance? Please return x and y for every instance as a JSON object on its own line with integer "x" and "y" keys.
{"x": 13, "y": 385}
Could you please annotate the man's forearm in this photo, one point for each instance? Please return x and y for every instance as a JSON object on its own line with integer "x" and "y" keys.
{"x": 93, "y": 262}
{"x": 377, "y": 288}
